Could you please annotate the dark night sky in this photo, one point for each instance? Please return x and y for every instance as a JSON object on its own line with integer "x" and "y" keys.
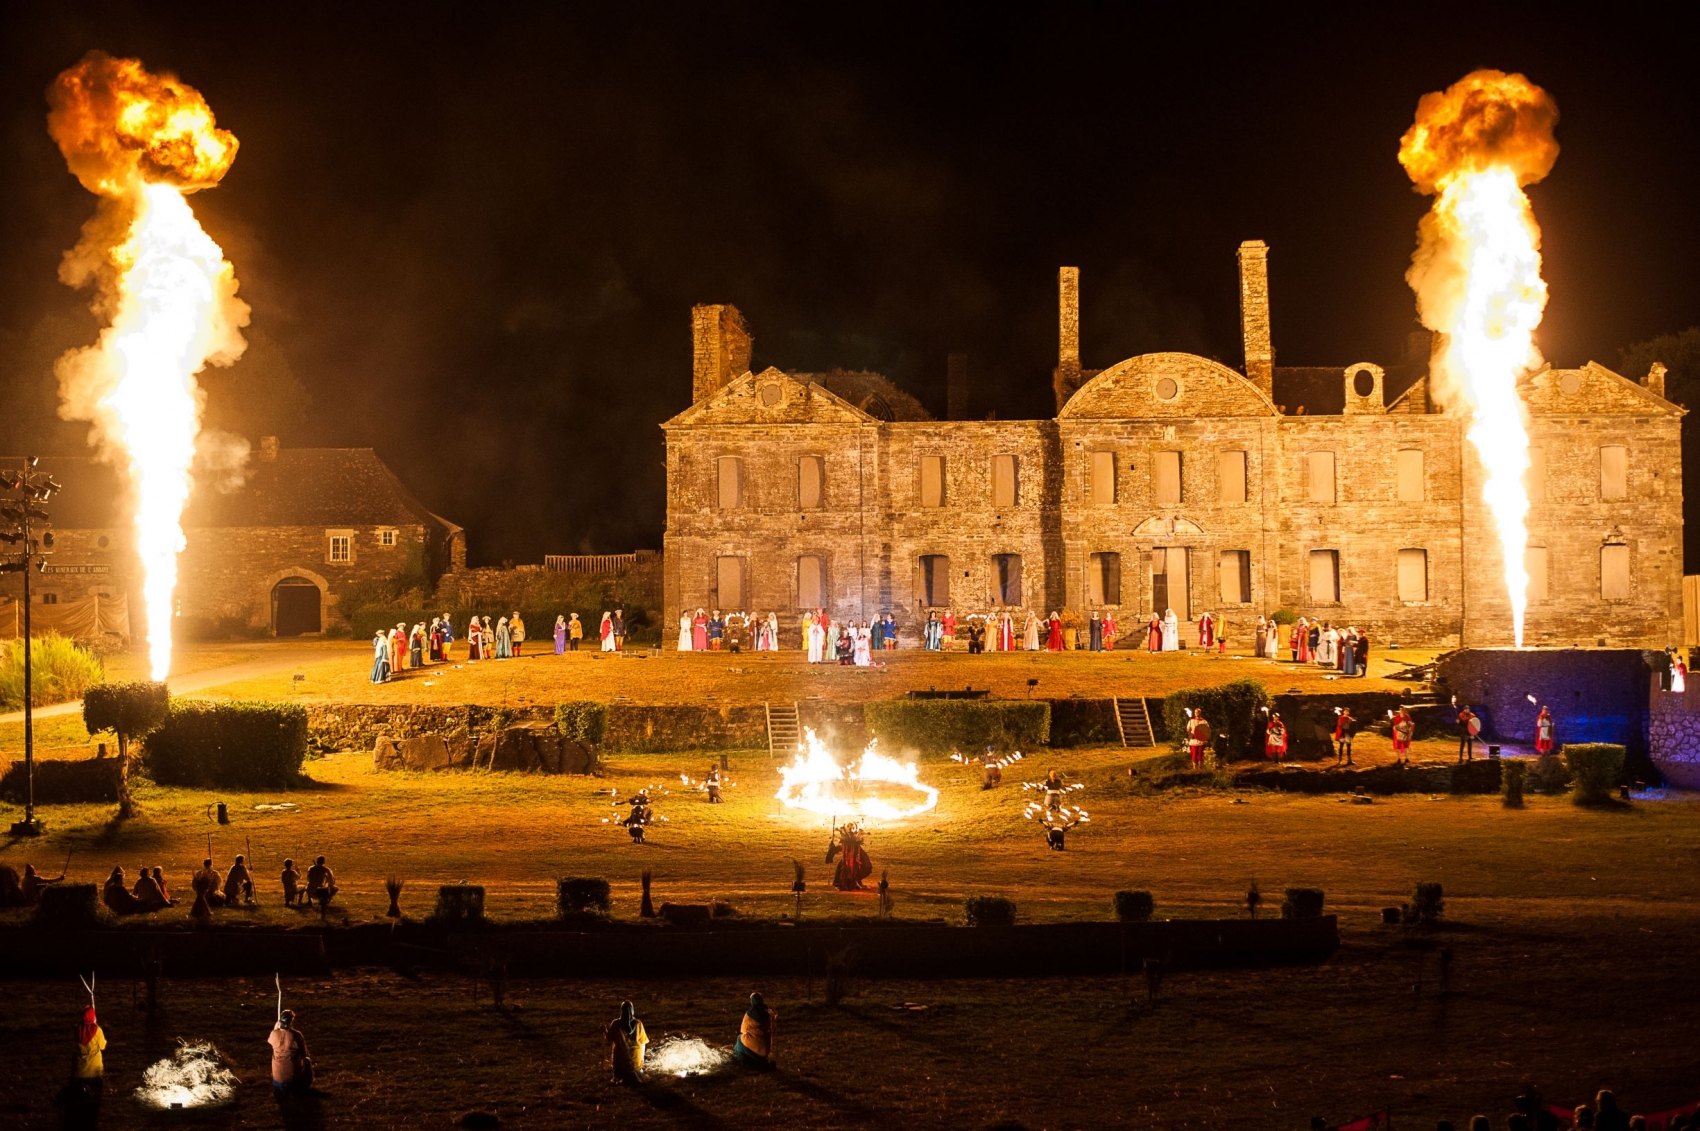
{"x": 475, "y": 237}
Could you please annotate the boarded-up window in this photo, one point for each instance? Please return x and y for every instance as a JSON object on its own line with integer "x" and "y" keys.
{"x": 1535, "y": 565}
{"x": 1614, "y": 573}
{"x": 1103, "y": 476}
{"x": 729, "y": 583}
{"x": 1169, "y": 581}
{"x": 1413, "y": 575}
{"x": 935, "y": 579}
{"x": 1233, "y": 569}
{"x": 1167, "y": 475}
{"x": 811, "y": 482}
{"x": 1004, "y": 483}
{"x": 1614, "y": 472}
{"x": 932, "y": 481}
{"x": 1230, "y": 477}
{"x": 1409, "y": 473}
{"x": 1104, "y": 579}
{"x": 1324, "y": 577}
{"x": 1006, "y": 579}
{"x": 1320, "y": 466}
{"x": 729, "y": 479}
{"x": 1536, "y": 477}
{"x": 811, "y": 583}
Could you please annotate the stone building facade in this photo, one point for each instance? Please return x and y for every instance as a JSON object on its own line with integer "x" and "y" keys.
{"x": 1171, "y": 480}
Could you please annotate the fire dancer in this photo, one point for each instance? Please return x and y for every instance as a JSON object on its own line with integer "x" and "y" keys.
{"x": 712, "y": 783}
{"x": 854, "y": 866}
{"x": 1275, "y": 739}
{"x": 1543, "y": 731}
{"x": 292, "y": 1068}
{"x": 1054, "y": 790}
{"x": 626, "y": 1038}
{"x": 640, "y": 816}
{"x": 1197, "y": 739}
{"x": 1469, "y": 726}
{"x": 754, "y": 1046}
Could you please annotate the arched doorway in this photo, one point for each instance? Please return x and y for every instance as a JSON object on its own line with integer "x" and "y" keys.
{"x": 295, "y": 607}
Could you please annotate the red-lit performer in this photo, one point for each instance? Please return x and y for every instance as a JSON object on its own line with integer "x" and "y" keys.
{"x": 1404, "y": 726}
{"x": 1154, "y": 634}
{"x": 1206, "y": 630}
{"x": 1197, "y": 739}
{"x": 1053, "y": 638}
{"x": 1543, "y": 731}
{"x": 1275, "y": 739}
{"x": 853, "y": 863}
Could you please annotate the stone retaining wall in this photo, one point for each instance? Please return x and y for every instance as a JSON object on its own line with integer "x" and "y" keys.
{"x": 1673, "y": 734}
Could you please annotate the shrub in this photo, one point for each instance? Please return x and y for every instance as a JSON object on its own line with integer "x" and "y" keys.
{"x": 938, "y": 726}
{"x": 1594, "y": 767}
{"x": 129, "y": 710}
{"x": 1429, "y": 903}
{"x": 60, "y": 670}
{"x": 990, "y": 911}
{"x": 1511, "y": 783}
{"x": 1549, "y": 775}
{"x": 1233, "y": 710}
{"x": 580, "y": 895}
{"x": 1302, "y": 903}
{"x": 71, "y": 905}
{"x": 234, "y": 745}
{"x": 583, "y": 720}
{"x": 1285, "y": 616}
{"x": 458, "y": 904}
{"x": 1133, "y": 906}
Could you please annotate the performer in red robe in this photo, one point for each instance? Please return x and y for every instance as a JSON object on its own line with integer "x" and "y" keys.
{"x": 1275, "y": 739}
{"x": 1206, "y": 630}
{"x": 1404, "y": 726}
{"x": 1109, "y": 630}
{"x": 1006, "y": 632}
{"x": 1155, "y": 633}
{"x": 1197, "y": 739}
{"x": 948, "y": 629}
{"x": 1054, "y": 641}
{"x": 1543, "y": 731}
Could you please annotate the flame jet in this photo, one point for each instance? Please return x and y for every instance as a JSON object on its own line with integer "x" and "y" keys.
{"x": 1477, "y": 276}
{"x": 142, "y": 142}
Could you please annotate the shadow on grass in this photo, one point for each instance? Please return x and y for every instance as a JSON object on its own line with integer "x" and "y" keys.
{"x": 838, "y": 1101}
{"x": 681, "y": 1108}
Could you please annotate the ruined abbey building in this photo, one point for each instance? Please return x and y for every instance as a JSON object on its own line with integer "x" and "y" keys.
{"x": 1172, "y": 481}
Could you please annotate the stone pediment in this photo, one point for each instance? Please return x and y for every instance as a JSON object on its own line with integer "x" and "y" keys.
{"x": 1166, "y": 386}
{"x": 770, "y": 397}
{"x": 1166, "y": 526}
{"x": 1591, "y": 390}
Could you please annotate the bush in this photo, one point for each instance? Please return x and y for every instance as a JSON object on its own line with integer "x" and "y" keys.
{"x": 459, "y": 905}
{"x": 582, "y": 895}
{"x": 60, "y": 670}
{"x": 1429, "y": 903}
{"x": 1302, "y": 903}
{"x": 1133, "y": 906}
{"x": 1511, "y": 783}
{"x": 1233, "y": 710}
{"x": 233, "y": 745}
{"x": 584, "y": 720}
{"x": 71, "y": 905}
{"x": 1285, "y": 616}
{"x": 1549, "y": 775}
{"x": 939, "y": 726}
{"x": 990, "y": 911}
{"x": 1594, "y": 767}
{"x": 129, "y": 710}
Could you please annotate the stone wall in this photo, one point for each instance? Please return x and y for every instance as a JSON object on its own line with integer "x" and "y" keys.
{"x": 1673, "y": 736}
{"x": 1595, "y": 695}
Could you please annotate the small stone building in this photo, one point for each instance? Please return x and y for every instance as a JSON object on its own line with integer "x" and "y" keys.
{"x": 276, "y": 554}
{"x": 1173, "y": 481}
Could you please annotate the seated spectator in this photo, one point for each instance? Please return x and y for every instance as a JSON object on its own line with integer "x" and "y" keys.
{"x": 238, "y": 885}
{"x": 116, "y": 895}
{"x": 321, "y": 884}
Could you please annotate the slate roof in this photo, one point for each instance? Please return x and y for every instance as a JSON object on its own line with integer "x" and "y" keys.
{"x": 866, "y": 389}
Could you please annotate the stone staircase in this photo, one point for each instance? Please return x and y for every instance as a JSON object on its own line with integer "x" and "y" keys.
{"x": 1133, "y": 721}
{"x": 784, "y": 732}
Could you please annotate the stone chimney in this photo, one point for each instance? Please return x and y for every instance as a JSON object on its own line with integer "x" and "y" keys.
{"x": 720, "y": 349}
{"x": 1254, "y": 315}
{"x": 1067, "y": 377}
{"x": 1655, "y": 379}
{"x": 268, "y": 449}
{"x": 956, "y": 387}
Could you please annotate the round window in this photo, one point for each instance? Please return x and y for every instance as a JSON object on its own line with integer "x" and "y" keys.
{"x": 102, "y": 542}
{"x": 1167, "y": 390}
{"x": 1570, "y": 384}
{"x": 771, "y": 393}
{"x": 1363, "y": 383}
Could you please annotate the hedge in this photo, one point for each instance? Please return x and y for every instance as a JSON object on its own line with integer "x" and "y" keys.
{"x": 990, "y": 911}
{"x": 583, "y": 720}
{"x": 1511, "y": 783}
{"x": 940, "y": 726}
{"x": 1594, "y": 768}
{"x": 1429, "y": 902}
{"x": 1233, "y": 710}
{"x": 1134, "y": 906}
{"x": 579, "y": 895}
{"x": 1302, "y": 903}
{"x": 459, "y": 905}
{"x": 230, "y": 745}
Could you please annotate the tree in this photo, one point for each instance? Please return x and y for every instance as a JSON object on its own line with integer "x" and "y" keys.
{"x": 130, "y": 710}
{"x": 1680, "y": 355}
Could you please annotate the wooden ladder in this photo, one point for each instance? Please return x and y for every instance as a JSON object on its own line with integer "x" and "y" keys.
{"x": 1133, "y": 722}
{"x": 783, "y": 730}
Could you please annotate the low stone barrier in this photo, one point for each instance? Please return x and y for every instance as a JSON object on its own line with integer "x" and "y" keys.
{"x": 1479, "y": 776}
{"x": 36, "y": 953}
{"x": 1673, "y": 735}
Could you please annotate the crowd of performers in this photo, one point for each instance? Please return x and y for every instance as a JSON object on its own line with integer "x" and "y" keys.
{"x": 753, "y": 1047}
{"x": 401, "y": 648}
{"x": 209, "y": 888}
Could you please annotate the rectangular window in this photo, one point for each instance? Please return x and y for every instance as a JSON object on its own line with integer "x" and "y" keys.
{"x": 811, "y": 482}
{"x": 1535, "y": 565}
{"x": 1321, "y": 468}
{"x": 1230, "y": 477}
{"x": 1006, "y": 575}
{"x": 1169, "y": 581}
{"x": 1167, "y": 474}
{"x": 1614, "y": 472}
{"x": 341, "y": 548}
{"x": 1005, "y": 486}
{"x": 1104, "y": 579}
{"x": 1233, "y": 571}
{"x": 1410, "y": 475}
{"x": 50, "y": 598}
{"x": 1103, "y": 477}
{"x": 1413, "y": 575}
{"x": 1614, "y": 573}
{"x": 729, "y": 583}
{"x": 935, "y": 580}
{"x": 1325, "y": 577}
{"x": 1536, "y": 477}
{"x": 729, "y": 482}
{"x": 386, "y": 538}
{"x": 932, "y": 481}
{"x": 811, "y": 583}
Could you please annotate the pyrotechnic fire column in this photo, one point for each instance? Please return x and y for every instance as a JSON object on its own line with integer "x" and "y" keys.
{"x": 34, "y": 487}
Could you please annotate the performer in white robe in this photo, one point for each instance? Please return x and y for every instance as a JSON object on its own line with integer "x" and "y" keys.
{"x": 1030, "y": 632}
{"x": 1171, "y": 631}
{"x": 816, "y": 637}
{"x": 1325, "y": 655}
{"x": 685, "y": 631}
{"x": 862, "y": 655}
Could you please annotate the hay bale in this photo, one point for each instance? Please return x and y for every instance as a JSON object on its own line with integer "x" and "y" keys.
{"x": 459, "y": 905}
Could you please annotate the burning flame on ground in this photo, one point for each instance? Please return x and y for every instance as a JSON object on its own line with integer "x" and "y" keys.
{"x": 193, "y": 1076}
{"x": 686, "y": 1056}
{"x": 868, "y": 787}
{"x": 1477, "y": 276}
{"x": 141, "y": 142}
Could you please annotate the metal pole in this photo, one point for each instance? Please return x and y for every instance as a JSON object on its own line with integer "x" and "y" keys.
{"x": 29, "y": 689}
